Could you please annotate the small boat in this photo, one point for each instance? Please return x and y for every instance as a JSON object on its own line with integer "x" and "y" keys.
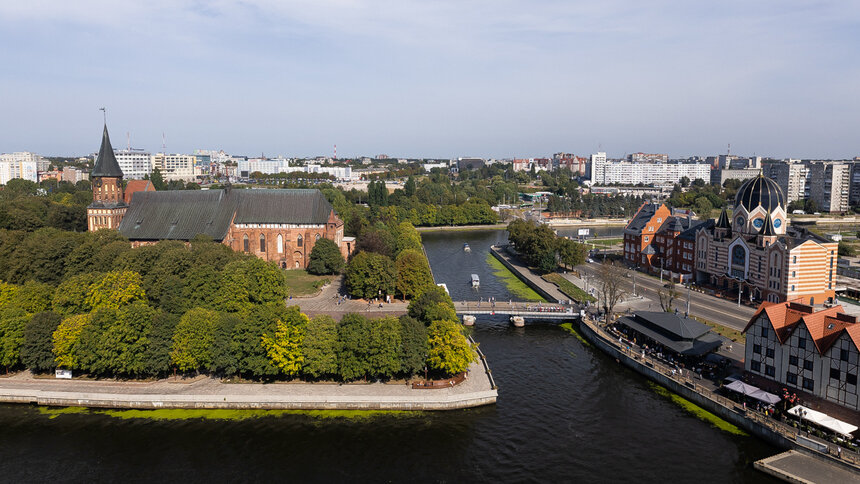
{"x": 468, "y": 320}
{"x": 476, "y": 282}
{"x": 518, "y": 321}
{"x": 466, "y": 248}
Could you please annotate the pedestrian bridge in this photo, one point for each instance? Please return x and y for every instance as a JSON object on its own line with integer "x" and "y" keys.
{"x": 524, "y": 309}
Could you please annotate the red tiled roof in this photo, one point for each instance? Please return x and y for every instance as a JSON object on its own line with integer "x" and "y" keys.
{"x": 137, "y": 186}
{"x": 824, "y": 326}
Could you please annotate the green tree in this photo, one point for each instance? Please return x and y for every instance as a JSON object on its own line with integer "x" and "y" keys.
{"x": 157, "y": 180}
{"x": 34, "y": 297}
{"x": 70, "y": 296}
{"x": 413, "y": 273}
{"x": 369, "y": 275}
{"x": 251, "y": 358}
{"x": 413, "y": 349}
{"x": 325, "y": 258}
{"x": 67, "y": 338}
{"x": 433, "y": 304}
{"x": 383, "y": 353}
{"x": 90, "y": 345}
{"x": 407, "y": 237}
{"x": 8, "y": 294}
{"x": 224, "y": 352}
{"x": 284, "y": 347}
{"x": 201, "y": 287}
{"x": 321, "y": 347}
{"x": 192, "y": 339}
{"x": 846, "y": 250}
{"x": 354, "y": 336}
{"x": 448, "y": 351}
{"x": 571, "y": 253}
{"x": 409, "y": 186}
{"x": 12, "y": 324}
{"x": 124, "y": 344}
{"x": 115, "y": 289}
{"x": 160, "y": 342}
{"x": 37, "y": 350}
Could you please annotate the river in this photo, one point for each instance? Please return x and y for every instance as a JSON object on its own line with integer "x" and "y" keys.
{"x": 565, "y": 413}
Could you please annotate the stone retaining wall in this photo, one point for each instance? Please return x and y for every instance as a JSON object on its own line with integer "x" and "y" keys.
{"x": 426, "y": 401}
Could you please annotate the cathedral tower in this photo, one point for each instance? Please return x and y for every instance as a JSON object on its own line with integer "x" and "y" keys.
{"x": 108, "y": 205}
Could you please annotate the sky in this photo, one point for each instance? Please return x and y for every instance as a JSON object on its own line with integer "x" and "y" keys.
{"x": 433, "y": 79}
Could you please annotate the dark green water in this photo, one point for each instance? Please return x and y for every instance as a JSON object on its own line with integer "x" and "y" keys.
{"x": 566, "y": 413}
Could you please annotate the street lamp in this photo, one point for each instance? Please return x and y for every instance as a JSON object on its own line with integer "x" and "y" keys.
{"x": 634, "y": 283}
{"x": 688, "y": 301}
{"x": 661, "y": 269}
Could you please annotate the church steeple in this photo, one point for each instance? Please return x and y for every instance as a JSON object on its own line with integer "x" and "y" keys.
{"x": 108, "y": 205}
{"x": 106, "y": 164}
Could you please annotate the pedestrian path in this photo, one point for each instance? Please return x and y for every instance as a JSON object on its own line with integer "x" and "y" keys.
{"x": 523, "y": 271}
{"x": 332, "y": 301}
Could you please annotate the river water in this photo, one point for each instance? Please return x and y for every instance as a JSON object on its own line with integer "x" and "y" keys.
{"x": 565, "y": 413}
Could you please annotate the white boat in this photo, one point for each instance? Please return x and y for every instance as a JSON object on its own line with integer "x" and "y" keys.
{"x": 468, "y": 320}
{"x": 475, "y": 280}
{"x": 518, "y": 321}
{"x": 466, "y": 248}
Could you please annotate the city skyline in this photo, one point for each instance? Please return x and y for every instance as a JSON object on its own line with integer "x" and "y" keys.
{"x": 434, "y": 80}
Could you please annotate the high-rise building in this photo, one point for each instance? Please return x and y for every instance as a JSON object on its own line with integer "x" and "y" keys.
{"x": 176, "y": 166}
{"x": 829, "y": 185}
{"x": 598, "y": 164}
{"x": 134, "y": 164}
{"x": 22, "y": 164}
{"x": 648, "y": 157}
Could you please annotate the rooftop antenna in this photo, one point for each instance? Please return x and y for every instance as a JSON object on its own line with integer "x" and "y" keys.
{"x": 128, "y": 141}
{"x": 163, "y": 149}
{"x": 335, "y": 152}
{"x": 729, "y": 152}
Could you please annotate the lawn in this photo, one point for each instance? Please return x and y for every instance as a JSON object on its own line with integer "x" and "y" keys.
{"x": 517, "y": 287}
{"x": 721, "y": 330}
{"x": 303, "y": 284}
{"x": 606, "y": 242}
{"x": 568, "y": 288}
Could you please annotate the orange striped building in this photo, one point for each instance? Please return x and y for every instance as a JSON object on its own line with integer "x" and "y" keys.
{"x": 755, "y": 251}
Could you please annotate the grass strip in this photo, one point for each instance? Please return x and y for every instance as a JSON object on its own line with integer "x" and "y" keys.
{"x": 696, "y": 410}
{"x": 570, "y": 328}
{"x": 513, "y": 283}
{"x": 568, "y": 288}
{"x": 721, "y": 330}
{"x": 220, "y": 413}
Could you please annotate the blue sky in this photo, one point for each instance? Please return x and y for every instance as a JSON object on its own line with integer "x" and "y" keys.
{"x": 433, "y": 78}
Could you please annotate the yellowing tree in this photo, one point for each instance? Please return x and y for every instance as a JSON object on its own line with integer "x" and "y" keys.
{"x": 284, "y": 348}
{"x": 193, "y": 338}
{"x": 448, "y": 350}
{"x": 116, "y": 289}
{"x": 66, "y": 339}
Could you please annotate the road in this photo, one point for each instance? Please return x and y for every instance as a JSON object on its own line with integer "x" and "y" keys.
{"x": 721, "y": 311}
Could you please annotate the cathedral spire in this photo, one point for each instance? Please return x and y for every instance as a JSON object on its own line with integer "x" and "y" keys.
{"x": 106, "y": 164}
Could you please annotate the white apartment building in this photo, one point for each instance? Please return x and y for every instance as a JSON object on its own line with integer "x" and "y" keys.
{"x": 22, "y": 164}
{"x": 134, "y": 164}
{"x": 263, "y": 165}
{"x": 626, "y": 173}
{"x": 176, "y": 166}
{"x": 598, "y": 163}
{"x": 829, "y": 185}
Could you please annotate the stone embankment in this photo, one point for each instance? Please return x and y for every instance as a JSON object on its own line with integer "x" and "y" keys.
{"x": 548, "y": 290}
{"x": 768, "y": 429}
{"x": 478, "y": 389}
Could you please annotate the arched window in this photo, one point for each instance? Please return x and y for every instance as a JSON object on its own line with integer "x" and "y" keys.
{"x": 280, "y": 244}
{"x": 316, "y": 237}
{"x": 262, "y": 243}
{"x": 246, "y": 244}
{"x": 739, "y": 255}
{"x": 299, "y": 241}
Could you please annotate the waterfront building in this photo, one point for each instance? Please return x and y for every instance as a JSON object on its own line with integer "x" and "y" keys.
{"x": 135, "y": 164}
{"x": 108, "y": 206}
{"x": 660, "y": 239}
{"x": 281, "y": 226}
{"x": 672, "y": 333}
{"x": 808, "y": 349}
{"x": 757, "y": 255}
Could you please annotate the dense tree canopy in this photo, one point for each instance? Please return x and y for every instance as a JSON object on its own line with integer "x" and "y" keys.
{"x": 325, "y": 258}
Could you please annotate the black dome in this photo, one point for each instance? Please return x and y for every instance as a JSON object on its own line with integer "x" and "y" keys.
{"x": 760, "y": 191}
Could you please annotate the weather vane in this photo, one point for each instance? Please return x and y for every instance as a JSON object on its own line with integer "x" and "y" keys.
{"x": 104, "y": 113}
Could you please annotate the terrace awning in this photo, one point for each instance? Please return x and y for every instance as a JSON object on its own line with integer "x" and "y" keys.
{"x": 753, "y": 392}
{"x": 824, "y": 420}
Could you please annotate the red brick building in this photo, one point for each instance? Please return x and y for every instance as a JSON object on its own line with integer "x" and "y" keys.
{"x": 281, "y": 226}
{"x": 656, "y": 240}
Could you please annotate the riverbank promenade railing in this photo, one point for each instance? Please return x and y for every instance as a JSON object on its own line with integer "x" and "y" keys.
{"x": 684, "y": 377}
{"x": 511, "y": 308}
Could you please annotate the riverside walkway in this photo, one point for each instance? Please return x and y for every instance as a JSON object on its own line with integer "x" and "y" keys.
{"x": 682, "y": 382}
{"x": 522, "y": 271}
{"x": 207, "y": 392}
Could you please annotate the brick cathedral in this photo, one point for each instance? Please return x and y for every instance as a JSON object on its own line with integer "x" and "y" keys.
{"x": 278, "y": 225}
